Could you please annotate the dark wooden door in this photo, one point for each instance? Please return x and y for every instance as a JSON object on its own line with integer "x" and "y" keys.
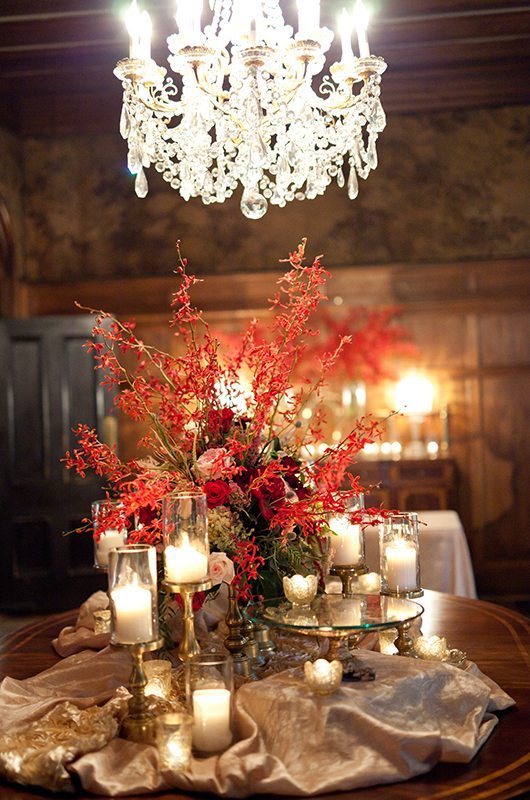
{"x": 48, "y": 385}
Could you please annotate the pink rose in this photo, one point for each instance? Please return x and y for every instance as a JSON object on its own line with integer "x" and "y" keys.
{"x": 220, "y": 568}
{"x": 213, "y": 463}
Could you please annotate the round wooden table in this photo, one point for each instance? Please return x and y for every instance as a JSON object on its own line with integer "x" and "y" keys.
{"x": 497, "y": 639}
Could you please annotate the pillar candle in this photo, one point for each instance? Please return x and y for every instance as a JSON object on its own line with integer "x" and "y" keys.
{"x": 345, "y": 541}
{"x": 133, "y": 620}
{"x": 401, "y": 566}
{"x": 211, "y": 720}
{"x": 185, "y": 564}
{"x": 108, "y": 540}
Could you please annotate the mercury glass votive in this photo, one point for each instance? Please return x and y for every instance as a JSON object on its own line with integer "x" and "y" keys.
{"x": 400, "y": 556}
{"x": 322, "y": 676}
{"x": 431, "y": 648}
{"x": 300, "y": 590}
{"x": 185, "y": 527}
{"x": 158, "y": 674}
{"x": 212, "y": 693}
{"x": 173, "y": 740}
{"x": 133, "y": 594}
{"x": 110, "y": 530}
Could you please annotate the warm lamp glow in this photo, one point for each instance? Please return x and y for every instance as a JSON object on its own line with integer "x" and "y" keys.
{"x": 414, "y": 395}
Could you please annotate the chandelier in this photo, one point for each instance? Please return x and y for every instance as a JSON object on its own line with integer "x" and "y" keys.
{"x": 242, "y": 107}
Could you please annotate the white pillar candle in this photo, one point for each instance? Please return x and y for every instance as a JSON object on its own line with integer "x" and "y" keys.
{"x": 211, "y": 720}
{"x": 401, "y": 569}
{"x": 185, "y": 564}
{"x": 345, "y": 541}
{"x": 109, "y": 539}
{"x": 133, "y": 621}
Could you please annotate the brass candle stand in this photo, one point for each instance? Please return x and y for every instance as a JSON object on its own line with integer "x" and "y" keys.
{"x": 236, "y": 640}
{"x": 189, "y": 645}
{"x": 138, "y": 724}
{"x": 347, "y": 573}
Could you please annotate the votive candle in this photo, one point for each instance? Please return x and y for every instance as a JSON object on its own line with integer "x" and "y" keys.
{"x": 108, "y": 540}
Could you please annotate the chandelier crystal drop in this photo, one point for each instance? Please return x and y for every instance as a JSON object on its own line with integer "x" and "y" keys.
{"x": 243, "y": 109}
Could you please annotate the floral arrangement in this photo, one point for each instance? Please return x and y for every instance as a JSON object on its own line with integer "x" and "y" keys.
{"x": 245, "y": 448}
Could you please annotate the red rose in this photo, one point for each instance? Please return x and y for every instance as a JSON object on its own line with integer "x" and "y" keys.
{"x": 269, "y": 495}
{"x": 220, "y": 420}
{"x": 217, "y": 493}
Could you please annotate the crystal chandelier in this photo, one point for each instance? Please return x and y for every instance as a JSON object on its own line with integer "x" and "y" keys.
{"x": 242, "y": 108}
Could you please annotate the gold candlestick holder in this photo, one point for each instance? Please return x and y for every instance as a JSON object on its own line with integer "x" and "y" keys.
{"x": 189, "y": 646}
{"x": 347, "y": 573}
{"x": 138, "y": 724}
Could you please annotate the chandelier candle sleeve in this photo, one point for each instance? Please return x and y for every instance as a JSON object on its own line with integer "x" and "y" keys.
{"x": 361, "y": 25}
{"x": 308, "y": 18}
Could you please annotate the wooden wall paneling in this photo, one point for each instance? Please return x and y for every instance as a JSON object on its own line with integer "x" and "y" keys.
{"x": 471, "y": 323}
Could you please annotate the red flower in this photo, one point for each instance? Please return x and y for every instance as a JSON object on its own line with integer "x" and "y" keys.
{"x": 220, "y": 421}
{"x": 269, "y": 495}
{"x": 217, "y": 493}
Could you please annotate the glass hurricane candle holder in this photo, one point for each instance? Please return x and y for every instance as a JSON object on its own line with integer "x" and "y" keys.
{"x": 110, "y": 530}
{"x": 133, "y": 594}
{"x": 300, "y": 590}
{"x": 185, "y": 527}
{"x": 322, "y": 676}
{"x": 173, "y": 740}
{"x": 347, "y": 544}
{"x": 211, "y": 697}
{"x": 158, "y": 674}
{"x": 400, "y": 557}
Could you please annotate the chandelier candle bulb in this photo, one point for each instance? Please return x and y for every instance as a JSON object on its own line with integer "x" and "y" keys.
{"x": 345, "y": 28}
{"x": 133, "y": 25}
{"x": 211, "y": 720}
{"x": 308, "y": 18}
{"x": 145, "y": 31}
{"x": 132, "y": 614}
{"x": 361, "y": 25}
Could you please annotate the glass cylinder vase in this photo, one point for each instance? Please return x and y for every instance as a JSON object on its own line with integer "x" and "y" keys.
{"x": 133, "y": 595}
{"x": 110, "y": 530}
{"x": 400, "y": 556}
{"x": 347, "y": 540}
{"x": 211, "y": 699}
{"x": 185, "y": 527}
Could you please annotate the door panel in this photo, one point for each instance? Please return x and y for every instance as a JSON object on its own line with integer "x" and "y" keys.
{"x": 48, "y": 385}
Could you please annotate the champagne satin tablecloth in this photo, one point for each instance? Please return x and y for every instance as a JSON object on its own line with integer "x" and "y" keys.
{"x": 509, "y": 757}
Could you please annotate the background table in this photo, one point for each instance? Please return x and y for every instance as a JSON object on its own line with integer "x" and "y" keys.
{"x": 444, "y": 553}
{"x": 496, "y": 638}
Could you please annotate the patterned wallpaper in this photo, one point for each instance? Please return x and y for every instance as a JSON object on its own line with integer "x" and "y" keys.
{"x": 450, "y": 186}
